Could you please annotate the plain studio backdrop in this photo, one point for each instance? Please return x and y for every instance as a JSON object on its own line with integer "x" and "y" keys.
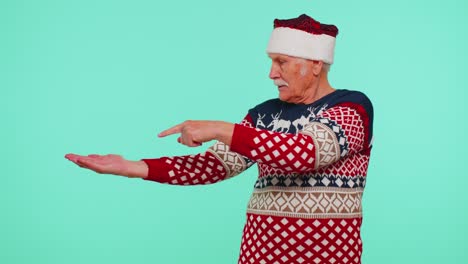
{"x": 107, "y": 76}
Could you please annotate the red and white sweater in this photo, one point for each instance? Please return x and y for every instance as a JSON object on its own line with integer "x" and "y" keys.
{"x": 312, "y": 160}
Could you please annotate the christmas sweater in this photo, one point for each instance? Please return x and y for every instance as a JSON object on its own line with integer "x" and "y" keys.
{"x": 312, "y": 161}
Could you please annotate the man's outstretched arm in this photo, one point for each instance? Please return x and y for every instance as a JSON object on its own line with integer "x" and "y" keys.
{"x": 192, "y": 133}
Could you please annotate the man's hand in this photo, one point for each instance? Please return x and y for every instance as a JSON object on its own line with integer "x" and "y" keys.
{"x": 110, "y": 164}
{"x": 194, "y": 133}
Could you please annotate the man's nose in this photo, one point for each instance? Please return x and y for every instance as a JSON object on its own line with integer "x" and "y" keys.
{"x": 274, "y": 73}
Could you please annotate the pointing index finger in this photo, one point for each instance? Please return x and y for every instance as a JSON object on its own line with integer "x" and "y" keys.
{"x": 170, "y": 131}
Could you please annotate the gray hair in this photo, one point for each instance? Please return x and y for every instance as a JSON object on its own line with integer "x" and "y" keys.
{"x": 325, "y": 67}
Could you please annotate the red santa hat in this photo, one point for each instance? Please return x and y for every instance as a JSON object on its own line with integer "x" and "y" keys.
{"x": 303, "y": 37}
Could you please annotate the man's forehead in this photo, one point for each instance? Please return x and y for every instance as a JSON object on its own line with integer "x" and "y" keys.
{"x": 278, "y": 56}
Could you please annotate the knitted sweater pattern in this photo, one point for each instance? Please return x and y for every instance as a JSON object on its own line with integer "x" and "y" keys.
{"x": 306, "y": 206}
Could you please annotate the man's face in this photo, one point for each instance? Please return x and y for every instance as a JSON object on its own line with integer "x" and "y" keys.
{"x": 293, "y": 76}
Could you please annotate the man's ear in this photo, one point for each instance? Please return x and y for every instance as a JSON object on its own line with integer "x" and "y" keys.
{"x": 317, "y": 67}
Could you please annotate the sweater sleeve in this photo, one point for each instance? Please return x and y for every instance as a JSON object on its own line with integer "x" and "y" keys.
{"x": 216, "y": 164}
{"x": 336, "y": 133}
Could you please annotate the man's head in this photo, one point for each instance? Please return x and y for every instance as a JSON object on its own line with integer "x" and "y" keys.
{"x": 297, "y": 78}
{"x": 301, "y": 50}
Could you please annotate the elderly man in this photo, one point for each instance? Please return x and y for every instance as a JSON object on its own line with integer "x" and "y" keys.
{"x": 312, "y": 147}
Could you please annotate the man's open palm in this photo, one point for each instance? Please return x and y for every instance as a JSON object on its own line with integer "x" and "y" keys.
{"x": 105, "y": 164}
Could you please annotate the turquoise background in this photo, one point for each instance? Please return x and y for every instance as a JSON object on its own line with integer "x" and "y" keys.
{"x": 107, "y": 76}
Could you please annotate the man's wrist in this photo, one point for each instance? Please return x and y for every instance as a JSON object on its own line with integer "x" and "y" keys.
{"x": 225, "y": 131}
{"x": 137, "y": 169}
